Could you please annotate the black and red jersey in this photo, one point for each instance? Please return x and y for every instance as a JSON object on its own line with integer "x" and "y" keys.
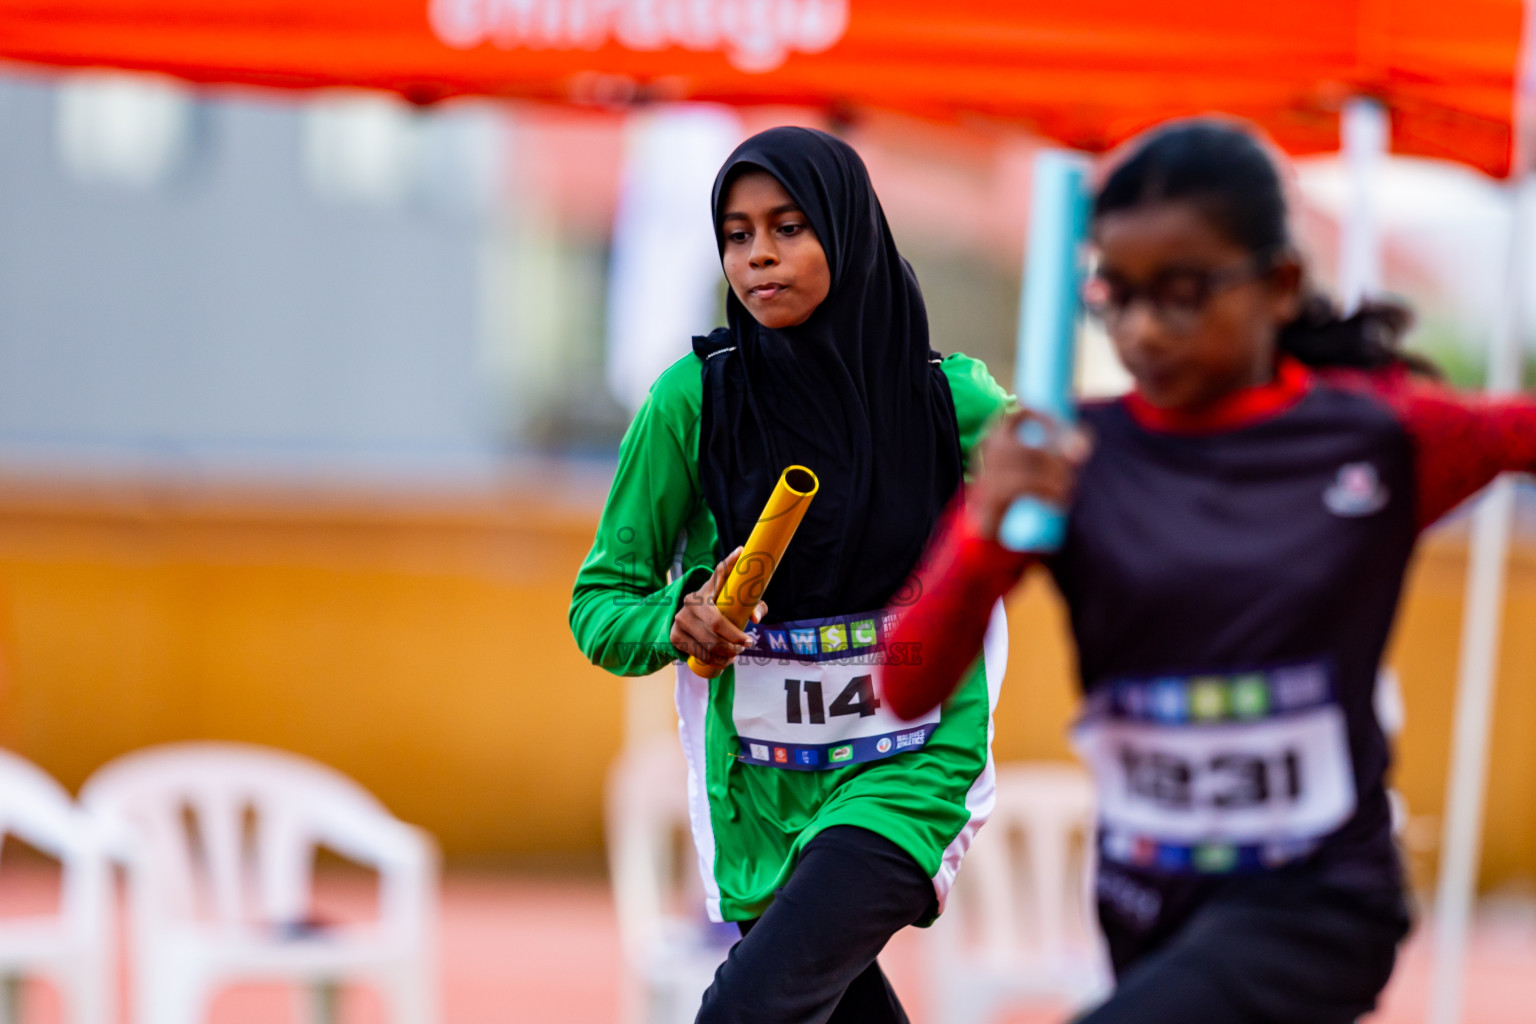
{"x": 1232, "y": 580}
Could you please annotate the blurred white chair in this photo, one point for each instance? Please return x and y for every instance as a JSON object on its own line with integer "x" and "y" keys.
{"x": 670, "y": 948}
{"x": 74, "y": 949}
{"x": 221, "y": 840}
{"x": 1019, "y": 926}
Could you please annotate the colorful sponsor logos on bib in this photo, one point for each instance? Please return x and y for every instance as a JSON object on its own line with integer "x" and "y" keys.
{"x": 1215, "y": 858}
{"x": 803, "y": 641}
{"x": 1301, "y": 686}
{"x": 1210, "y": 698}
{"x": 853, "y": 637}
{"x": 804, "y": 681}
{"x": 1207, "y": 698}
{"x": 1125, "y": 848}
{"x": 1211, "y": 857}
{"x": 1274, "y": 855}
{"x": 1218, "y": 772}
{"x": 1249, "y": 696}
{"x": 834, "y": 638}
{"x": 1168, "y": 700}
{"x": 814, "y": 757}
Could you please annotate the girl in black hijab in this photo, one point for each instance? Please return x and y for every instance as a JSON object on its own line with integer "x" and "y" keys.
{"x": 823, "y": 824}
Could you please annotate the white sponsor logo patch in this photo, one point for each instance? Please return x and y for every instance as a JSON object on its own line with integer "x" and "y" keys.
{"x": 1356, "y": 491}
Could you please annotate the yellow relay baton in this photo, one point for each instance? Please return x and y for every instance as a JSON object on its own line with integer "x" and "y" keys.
{"x": 764, "y": 549}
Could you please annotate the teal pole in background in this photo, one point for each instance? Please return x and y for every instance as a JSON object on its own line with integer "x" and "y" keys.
{"x": 1053, "y": 272}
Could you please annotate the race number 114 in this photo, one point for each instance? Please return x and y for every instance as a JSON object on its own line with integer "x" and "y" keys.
{"x": 804, "y": 702}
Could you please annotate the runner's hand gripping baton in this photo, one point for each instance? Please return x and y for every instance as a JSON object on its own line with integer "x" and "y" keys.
{"x": 744, "y": 587}
{"x": 1058, "y": 223}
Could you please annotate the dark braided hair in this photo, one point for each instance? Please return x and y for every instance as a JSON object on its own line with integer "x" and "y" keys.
{"x": 1225, "y": 172}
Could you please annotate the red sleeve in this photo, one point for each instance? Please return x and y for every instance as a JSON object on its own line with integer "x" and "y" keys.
{"x": 940, "y": 633}
{"x": 1460, "y": 441}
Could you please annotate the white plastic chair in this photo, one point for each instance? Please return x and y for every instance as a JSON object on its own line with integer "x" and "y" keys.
{"x": 1019, "y": 927}
{"x": 74, "y": 949}
{"x": 212, "y": 905}
{"x": 670, "y": 948}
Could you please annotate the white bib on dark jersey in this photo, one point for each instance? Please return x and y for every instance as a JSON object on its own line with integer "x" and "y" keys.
{"x": 1218, "y": 773}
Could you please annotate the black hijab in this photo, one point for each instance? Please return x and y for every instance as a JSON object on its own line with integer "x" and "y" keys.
{"x": 854, "y": 393}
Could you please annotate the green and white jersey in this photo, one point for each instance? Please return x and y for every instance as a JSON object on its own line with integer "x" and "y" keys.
{"x": 750, "y": 820}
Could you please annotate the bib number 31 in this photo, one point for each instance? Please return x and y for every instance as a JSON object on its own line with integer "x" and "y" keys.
{"x": 1280, "y": 779}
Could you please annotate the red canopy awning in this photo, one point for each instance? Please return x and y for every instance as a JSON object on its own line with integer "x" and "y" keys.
{"x": 1088, "y": 73}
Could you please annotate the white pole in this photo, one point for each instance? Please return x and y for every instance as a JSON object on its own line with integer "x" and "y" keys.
{"x": 664, "y": 269}
{"x": 1461, "y": 838}
{"x": 1477, "y": 673}
{"x": 1366, "y": 133}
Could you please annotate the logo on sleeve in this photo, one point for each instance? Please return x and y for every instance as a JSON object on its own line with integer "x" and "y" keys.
{"x": 1356, "y": 491}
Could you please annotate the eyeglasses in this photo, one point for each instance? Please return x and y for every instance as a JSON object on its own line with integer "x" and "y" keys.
{"x": 1178, "y": 296}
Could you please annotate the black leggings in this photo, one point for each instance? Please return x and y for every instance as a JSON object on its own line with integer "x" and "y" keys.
{"x": 811, "y": 957}
{"x": 1266, "y": 950}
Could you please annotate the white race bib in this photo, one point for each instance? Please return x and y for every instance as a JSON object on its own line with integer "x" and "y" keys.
{"x": 807, "y": 696}
{"x": 1218, "y": 773}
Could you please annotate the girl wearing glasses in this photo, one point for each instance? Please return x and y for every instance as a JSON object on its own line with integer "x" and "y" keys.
{"x": 1236, "y": 543}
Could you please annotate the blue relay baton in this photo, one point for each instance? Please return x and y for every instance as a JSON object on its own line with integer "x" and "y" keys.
{"x": 1058, "y": 225}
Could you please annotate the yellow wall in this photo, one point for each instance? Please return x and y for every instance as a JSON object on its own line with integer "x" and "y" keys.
{"x": 423, "y": 649}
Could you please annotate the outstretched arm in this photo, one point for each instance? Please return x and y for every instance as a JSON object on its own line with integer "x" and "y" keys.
{"x": 1461, "y": 441}
{"x": 966, "y": 570}
{"x": 958, "y": 581}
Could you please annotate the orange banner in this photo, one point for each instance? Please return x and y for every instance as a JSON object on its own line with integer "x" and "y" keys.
{"x": 1088, "y": 73}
